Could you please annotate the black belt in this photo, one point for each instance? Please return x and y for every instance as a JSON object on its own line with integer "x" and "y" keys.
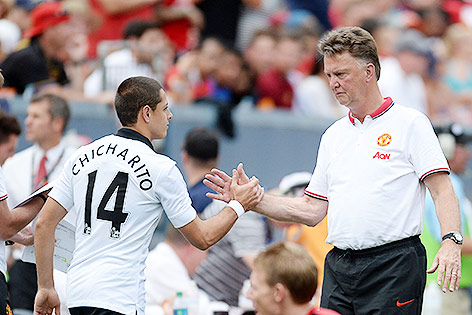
{"x": 412, "y": 240}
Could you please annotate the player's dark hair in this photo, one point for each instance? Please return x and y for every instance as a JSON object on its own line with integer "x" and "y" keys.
{"x": 133, "y": 94}
{"x": 201, "y": 144}
{"x": 9, "y": 125}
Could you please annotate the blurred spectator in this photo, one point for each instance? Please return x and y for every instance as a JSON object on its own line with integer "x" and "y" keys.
{"x": 318, "y": 9}
{"x": 401, "y": 75}
{"x": 11, "y": 32}
{"x": 20, "y": 12}
{"x": 275, "y": 87}
{"x": 232, "y": 81}
{"x": 182, "y": 22}
{"x": 221, "y": 18}
{"x": 311, "y": 238}
{"x": 385, "y": 35}
{"x": 200, "y": 154}
{"x": 30, "y": 169}
{"x": 454, "y": 142}
{"x": 38, "y": 64}
{"x": 169, "y": 267}
{"x": 149, "y": 54}
{"x": 457, "y": 74}
{"x": 229, "y": 262}
{"x": 193, "y": 75}
{"x": 113, "y": 16}
{"x": 227, "y": 266}
{"x": 313, "y": 96}
{"x": 433, "y": 21}
{"x": 254, "y": 17}
{"x": 284, "y": 281}
{"x": 260, "y": 52}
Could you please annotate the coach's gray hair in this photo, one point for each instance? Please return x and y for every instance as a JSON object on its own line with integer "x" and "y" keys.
{"x": 355, "y": 40}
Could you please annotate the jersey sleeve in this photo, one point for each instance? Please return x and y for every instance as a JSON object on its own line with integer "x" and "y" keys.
{"x": 425, "y": 153}
{"x": 3, "y": 190}
{"x": 318, "y": 186}
{"x": 173, "y": 195}
{"x": 62, "y": 191}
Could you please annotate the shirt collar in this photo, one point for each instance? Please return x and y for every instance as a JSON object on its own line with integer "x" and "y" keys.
{"x": 387, "y": 104}
{"x": 134, "y": 135}
{"x": 52, "y": 154}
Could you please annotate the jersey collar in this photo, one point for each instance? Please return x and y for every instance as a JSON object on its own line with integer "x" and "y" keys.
{"x": 387, "y": 104}
{"x": 134, "y": 135}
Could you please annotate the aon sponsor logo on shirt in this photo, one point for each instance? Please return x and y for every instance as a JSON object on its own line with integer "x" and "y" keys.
{"x": 381, "y": 156}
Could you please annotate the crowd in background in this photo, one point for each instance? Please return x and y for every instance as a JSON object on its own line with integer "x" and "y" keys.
{"x": 234, "y": 53}
{"x": 257, "y": 52}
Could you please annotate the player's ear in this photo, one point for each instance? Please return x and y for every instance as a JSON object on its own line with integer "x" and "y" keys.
{"x": 146, "y": 113}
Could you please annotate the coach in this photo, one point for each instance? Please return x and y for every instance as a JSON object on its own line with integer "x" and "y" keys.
{"x": 370, "y": 179}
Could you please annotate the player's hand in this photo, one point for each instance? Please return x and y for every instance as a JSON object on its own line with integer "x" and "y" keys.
{"x": 249, "y": 194}
{"x": 46, "y": 301}
{"x": 448, "y": 264}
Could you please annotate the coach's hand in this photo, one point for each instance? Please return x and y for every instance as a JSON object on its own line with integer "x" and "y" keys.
{"x": 220, "y": 182}
{"x": 46, "y": 301}
{"x": 448, "y": 264}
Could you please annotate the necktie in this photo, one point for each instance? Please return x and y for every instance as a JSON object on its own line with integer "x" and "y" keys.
{"x": 41, "y": 179}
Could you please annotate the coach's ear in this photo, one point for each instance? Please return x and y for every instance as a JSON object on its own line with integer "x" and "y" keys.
{"x": 370, "y": 72}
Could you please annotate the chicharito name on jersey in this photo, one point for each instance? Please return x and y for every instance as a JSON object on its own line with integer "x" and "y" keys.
{"x": 112, "y": 150}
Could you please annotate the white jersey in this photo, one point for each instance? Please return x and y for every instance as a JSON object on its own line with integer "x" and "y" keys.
{"x": 3, "y": 196}
{"x": 118, "y": 187}
{"x": 372, "y": 176}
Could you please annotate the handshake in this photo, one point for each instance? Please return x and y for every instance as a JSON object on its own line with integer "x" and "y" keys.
{"x": 239, "y": 187}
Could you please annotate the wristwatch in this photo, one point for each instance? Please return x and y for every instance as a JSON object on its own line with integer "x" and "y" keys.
{"x": 455, "y": 236}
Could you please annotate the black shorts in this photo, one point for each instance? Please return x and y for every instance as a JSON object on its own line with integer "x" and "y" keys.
{"x": 388, "y": 279}
{"x": 4, "y": 303}
{"x": 87, "y": 310}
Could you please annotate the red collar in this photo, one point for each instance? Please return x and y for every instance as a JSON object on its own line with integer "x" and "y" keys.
{"x": 379, "y": 111}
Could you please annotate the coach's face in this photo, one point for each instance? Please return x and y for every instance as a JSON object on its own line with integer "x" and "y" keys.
{"x": 347, "y": 78}
{"x": 38, "y": 122}
{"x": 160, "y": 118}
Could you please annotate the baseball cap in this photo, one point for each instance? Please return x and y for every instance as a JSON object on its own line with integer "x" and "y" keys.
{"x": 414, "y": 41}
{"x": 45, "y": 15}
{"x": 293, "y": 182}
{"x": 460, "y": 134}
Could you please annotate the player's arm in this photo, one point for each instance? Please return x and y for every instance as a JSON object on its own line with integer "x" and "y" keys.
{"x": 204, "y": 233}
{"x": 305, "y": 210}
{"x": 15, "y": 220}
{"x": 46, "y": 298}
{"x": 448, "y": 258}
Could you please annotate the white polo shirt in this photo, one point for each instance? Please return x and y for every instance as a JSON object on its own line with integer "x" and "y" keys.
{"x": 371, "y": 174}
{"x": 3, "y": 255}
{"x": 119, "y": 188}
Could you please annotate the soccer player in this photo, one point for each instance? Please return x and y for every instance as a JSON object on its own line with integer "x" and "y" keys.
{"x": 119, "y": 187}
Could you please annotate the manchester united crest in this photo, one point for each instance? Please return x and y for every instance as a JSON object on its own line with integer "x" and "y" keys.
{"x": 384, "y": 140}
